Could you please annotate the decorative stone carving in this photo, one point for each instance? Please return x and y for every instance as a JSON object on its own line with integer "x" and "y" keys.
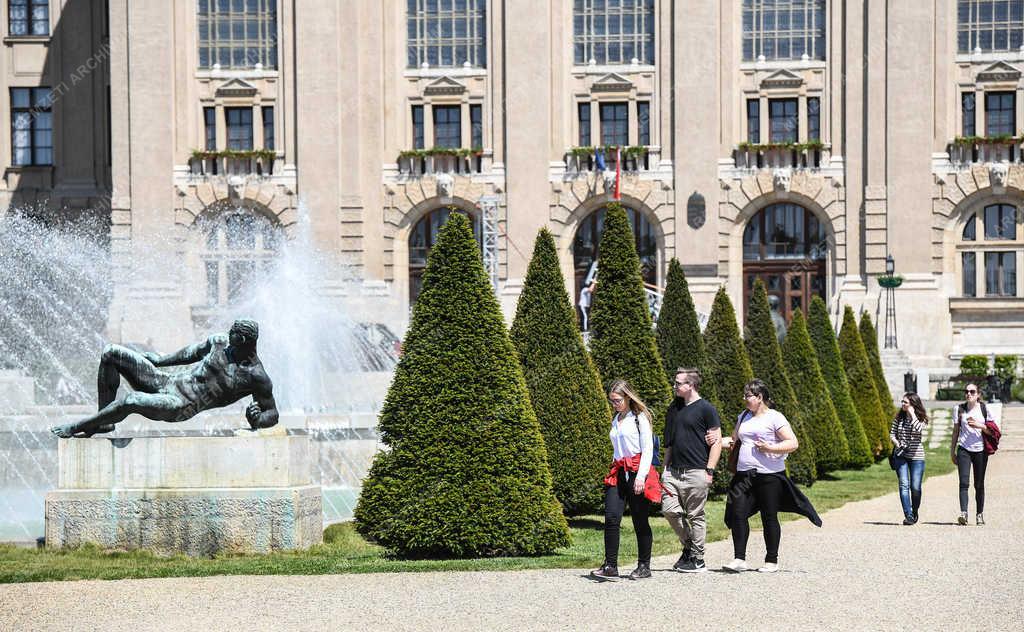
{"x": 998, "y": 173}
{"x": 781, "y": 179}
{"x": 445, "y": 185}
{"x": 695, "y": 211}
{"x": 999, "y": 72}
{"x": 443, "y": 86}
{"x": 609, "y": 181}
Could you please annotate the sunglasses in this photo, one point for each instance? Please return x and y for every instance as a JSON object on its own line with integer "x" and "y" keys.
{"x": 970, "y": 391}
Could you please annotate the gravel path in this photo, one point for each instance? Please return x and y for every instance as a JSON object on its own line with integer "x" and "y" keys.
{"x": 861, "y": 571}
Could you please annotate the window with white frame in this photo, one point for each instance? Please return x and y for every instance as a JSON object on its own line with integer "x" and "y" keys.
{"x": 989, "y": 25}
{"x": 613, "y": 31}
{"x": 783, "y": 29}
{"x": 446, "y": 33}
{"x": 991, "y": 250}
{"x": 31, "y": 126}
{"x": 240, "y": 246}
{"x": 237, "y": 34}
{"x": 28, "y": 17}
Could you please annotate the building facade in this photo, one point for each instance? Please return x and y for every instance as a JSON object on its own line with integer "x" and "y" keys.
{"x": 800, "y": 141}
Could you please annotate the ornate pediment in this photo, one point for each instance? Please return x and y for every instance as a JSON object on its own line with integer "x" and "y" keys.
{"x": 612, "y": 82}
{"x": 236, "y": 88}
{"x": 444, "y": 85}
{"x": 782, "y": 79}
{"x": 999, "y": 71}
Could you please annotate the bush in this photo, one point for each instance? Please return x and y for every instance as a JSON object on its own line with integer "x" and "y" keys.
{"x": 1005, "y": 367}
{"x": 816, "y": 408}
{"x": 465, "y": 472}
{"x": 1018, "y": 391}
{"x": 865, "y": 394}
{"x": 869, "y": 335}
{"x": 678, "y": 331}
{"x": 829, "y": 360}
{"x": 564, "y": 386}
{"x": 975, "y": 366}
{"x": 728, "y": 370}
{"x": 621, "y": 337}
{"x": 766, "y": 361}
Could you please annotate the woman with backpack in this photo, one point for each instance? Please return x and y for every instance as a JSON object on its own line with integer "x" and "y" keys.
{"x": 632, "y": 480}
{"x": 908, "y": 453}
{"x": 968, "y": 450}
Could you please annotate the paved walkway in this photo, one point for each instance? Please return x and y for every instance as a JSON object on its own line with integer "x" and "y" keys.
{"x": 861, "y": 571}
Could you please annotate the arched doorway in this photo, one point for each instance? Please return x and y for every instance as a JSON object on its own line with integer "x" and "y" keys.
{"x": 786, "y": 247}
{"x": 423, "y": 237}
{"x": 586, "y": 246}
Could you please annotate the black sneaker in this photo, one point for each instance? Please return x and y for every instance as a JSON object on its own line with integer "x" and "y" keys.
{"x": 607, "y": 573}
{"x": 681, "y": 562}
{"x": 642, "y": 571}
{"x": 694, "y": 565}
{"x": 908, "y": 522}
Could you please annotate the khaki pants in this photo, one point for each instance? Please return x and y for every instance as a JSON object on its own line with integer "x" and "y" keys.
{"x": 685, "y": 509}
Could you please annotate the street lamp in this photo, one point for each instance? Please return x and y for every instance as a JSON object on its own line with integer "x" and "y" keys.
{"x": 890, "y": 265}
{"x": 890, "y": 282}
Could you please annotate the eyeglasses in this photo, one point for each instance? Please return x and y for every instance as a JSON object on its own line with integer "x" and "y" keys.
{"x": 748, "y": 395}
{"x": 616, "y": 400}
{"x": 970, "y": 391}
{"x": 682, "y": 383}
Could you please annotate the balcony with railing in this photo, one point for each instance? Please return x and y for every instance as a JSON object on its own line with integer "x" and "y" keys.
{"x": 422, "y": 162}
{"x": 260, "y": 163}
{"x": 635, "y": 159}
{"x": 967, "y": 150}
{"x": 810, "y": 155}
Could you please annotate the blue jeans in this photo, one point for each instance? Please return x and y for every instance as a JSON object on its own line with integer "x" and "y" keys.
{"x": 910, "y": 473}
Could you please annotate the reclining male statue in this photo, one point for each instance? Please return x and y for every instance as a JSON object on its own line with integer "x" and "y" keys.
{"x": 226, "y": 370}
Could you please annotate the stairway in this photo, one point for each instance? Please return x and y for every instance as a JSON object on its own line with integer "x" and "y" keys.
{"x": 894, "y": 364}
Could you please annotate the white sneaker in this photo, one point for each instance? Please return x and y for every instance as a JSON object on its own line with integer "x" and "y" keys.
{"x": 768, "y": 567}
{"x": 736, "y": 566}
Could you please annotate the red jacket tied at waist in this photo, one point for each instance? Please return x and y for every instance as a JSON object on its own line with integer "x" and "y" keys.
{"x": 652, "y": 484}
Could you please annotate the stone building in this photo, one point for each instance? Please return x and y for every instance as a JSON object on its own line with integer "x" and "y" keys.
{"x": 798, "y": 141}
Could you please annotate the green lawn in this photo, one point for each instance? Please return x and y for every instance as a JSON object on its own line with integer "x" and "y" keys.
{"x": 344, "y": 551}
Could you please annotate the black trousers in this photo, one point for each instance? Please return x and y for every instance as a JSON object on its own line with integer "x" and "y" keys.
{"x": 766, "y": 492}
{"x": 615, "y": 500}
{"x": 965, "y": 462}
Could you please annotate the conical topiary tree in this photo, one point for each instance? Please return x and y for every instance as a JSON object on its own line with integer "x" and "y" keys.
{"x": 869, "y": 336}
{"x": 465, "y": 472}
{"x": 824, "y": 339}
{"x": 621, "y": 337}
{"x": 564, "y": 386}
{"x": 678, "y": 331}
{"x": 862, "y": 381}
{"x": 728, "y": 370}
{"x": 830, "y": 449}
{"x": 766, "y": 361}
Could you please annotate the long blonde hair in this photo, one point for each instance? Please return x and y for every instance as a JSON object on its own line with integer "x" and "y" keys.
{"x": 636, "y": 405}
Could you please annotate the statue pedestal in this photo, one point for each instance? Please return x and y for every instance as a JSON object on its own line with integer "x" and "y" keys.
{"x": 237, "y": 491}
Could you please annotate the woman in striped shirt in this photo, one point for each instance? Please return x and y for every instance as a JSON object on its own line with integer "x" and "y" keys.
{"x": 908, "y": 453}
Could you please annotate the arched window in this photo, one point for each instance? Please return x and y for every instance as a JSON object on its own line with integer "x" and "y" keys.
{"x": 613, "y": 31}
{"x": 783, "y": 29}
{"x": 239, "y": 244}
{"x": 585, "y": 246}
{"x": 988, "y": 266}
{"x": 422, "y": 239}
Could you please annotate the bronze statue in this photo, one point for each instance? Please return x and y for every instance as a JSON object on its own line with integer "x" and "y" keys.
{"x": 226, "y": 370}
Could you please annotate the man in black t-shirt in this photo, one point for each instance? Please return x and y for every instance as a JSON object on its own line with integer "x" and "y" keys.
{"x": 689, "y": 467}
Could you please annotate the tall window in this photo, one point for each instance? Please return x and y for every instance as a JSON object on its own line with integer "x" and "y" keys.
{"x": 268, "y": 127}
{"x": 237, "y": 33}
{"x": 31, "y": 126}
{"x": 784, "y": 231}
{"x": 992, "y": 238}
{"x": 476, "y": 125}
{"x": 643, "y": 114}
{"x": 753, "y": 121}
{"x": 28, "y": 17}
{"x": 239, "y": 122}
{"x": 447, "y": 126}
{"x": 240, "y": 244}
{"x": 783, "y": 121}
{"x": 970, "y": 264}
{"x": 1000, "y": 114}
{"x": 422, "y": 239}
{"x": 210, "y": 125}
{"x": 587, "y": 241}
{"x": 813, "y": 118}
{"x": 783, "y": 29}
{"x": 967, "y": 112}
{"x": 446, "y": 33}
{"x": 584, "y": 114}
{"x": 990, "y": 25}
{"x": 614, "y": 124}
{"x": 1000, "y": 274}
{"x": 1000, "y": 222}
{"x": 417, "y": 127}
{"x": 613, "y": 31}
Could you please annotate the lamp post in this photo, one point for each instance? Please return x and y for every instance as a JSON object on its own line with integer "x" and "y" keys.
{"x": 890, "y": 282}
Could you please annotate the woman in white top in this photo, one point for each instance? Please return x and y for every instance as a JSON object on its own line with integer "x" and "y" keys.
{"x": 968, "y": 450}
{"x": 633, "y": 447}
{"x": 764, "y": 438}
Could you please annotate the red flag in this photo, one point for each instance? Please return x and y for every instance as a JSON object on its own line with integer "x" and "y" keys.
{"x": 618, "y": 173}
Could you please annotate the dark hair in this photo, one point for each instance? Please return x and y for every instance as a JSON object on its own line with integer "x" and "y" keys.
{"x": 759, "y": 388}
{"x": 917, "y": 405}
{"x": 692, "y": 375}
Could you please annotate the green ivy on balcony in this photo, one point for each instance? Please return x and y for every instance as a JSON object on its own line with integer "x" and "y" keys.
{"x": 456, "y": 152}
{"x": 261, "y": 154}
{"x": 628, "y": 151}
{"x": 811, "y": 145}
{"x": 1001, "y": 139}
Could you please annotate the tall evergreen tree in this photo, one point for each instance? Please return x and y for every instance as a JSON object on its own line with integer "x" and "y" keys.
{"x": 830, "y": 448}
{"x": 766, "y": 361}
{"x": 564, "y": 386}
{"x": 465, "y": 472}
{"x": 678, "y": 331}
{"x": 862, "y": 385}
{"x": 621, "y": 336}
{"x": 827, "y": 348}
{"x": 728, "y": 372}
{"x": 869, "y": 335}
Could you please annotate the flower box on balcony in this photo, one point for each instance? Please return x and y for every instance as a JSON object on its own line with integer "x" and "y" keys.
{"x": 258, "y": 162}
{"x": 787, "y": 154}
{"x": 459, "y": 160}
{"x": 634, "y": 157}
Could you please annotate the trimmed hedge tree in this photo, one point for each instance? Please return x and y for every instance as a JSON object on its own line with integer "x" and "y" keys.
{"x": 869, "y": 336}
{"x": 621, "y": 337}
{"x": 863, "y": 390}
{"x": 728, "y": 372}
{"x": 678, "y": 331}
{"x": 465, "y": 472}
{"x": 819, "y": 414}
{"x": 766, "y": 361}
{"x": 564, "y": 386}
{"x": 823, "y": 337}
